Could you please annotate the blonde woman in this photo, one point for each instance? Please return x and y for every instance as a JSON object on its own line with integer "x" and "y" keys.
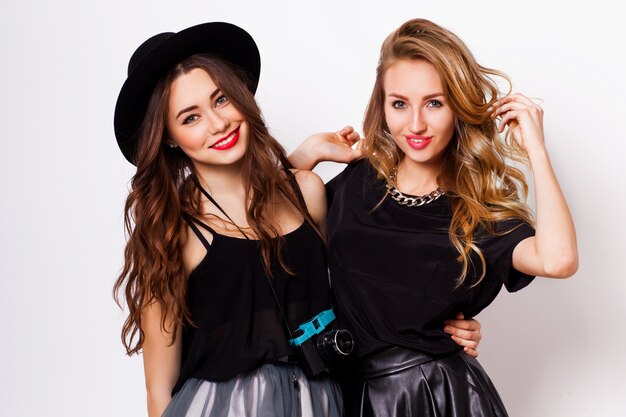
{"x": 432, "y": 223}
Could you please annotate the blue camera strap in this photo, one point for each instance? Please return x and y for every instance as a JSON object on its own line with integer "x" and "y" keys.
{"x": 312, "y": 327}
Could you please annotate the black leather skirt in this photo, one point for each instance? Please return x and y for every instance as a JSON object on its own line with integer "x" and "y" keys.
{"x": 399, "y": 382}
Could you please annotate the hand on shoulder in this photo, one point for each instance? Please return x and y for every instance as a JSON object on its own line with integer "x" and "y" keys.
{"x": 336, "y": 146}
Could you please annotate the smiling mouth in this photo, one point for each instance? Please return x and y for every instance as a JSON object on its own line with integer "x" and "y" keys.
{"x": 418, "y": 138}
{"x": 418, "y": 141}
{"x": 227, "y": 142}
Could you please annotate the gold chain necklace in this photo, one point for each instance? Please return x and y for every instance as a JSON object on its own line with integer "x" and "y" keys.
{"x": 410, "y": 201}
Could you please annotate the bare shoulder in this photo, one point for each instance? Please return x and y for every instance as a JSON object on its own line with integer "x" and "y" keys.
{"x": 309, "y": 182}
{"x": 314, "y": 193}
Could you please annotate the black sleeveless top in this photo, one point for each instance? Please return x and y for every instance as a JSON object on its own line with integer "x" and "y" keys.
{"x": 238, "y": 326}
{"x": 394, "y": 270}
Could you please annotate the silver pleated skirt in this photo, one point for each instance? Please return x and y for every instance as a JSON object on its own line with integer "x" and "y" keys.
{"x": 273, "y": 390}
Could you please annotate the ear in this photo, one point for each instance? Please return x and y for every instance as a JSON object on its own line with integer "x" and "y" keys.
{"x": 169, "y": 142}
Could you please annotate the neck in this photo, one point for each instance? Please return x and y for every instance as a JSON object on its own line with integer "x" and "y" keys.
{"x": 220, "y": 180}
{"x": 417, "y": 178}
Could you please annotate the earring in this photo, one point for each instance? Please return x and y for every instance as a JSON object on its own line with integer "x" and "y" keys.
{"x": 172, "y": 145}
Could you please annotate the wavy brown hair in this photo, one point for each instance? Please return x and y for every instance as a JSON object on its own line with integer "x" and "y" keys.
{"x": 484, "y": 188}
{"x": 163, "y": 195}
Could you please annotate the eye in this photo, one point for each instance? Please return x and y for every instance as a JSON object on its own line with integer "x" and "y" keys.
{"x": 221, "y": 100}
{"x": 398, "y": 104}
{"x": 190, "y": 119}
{"x": 434, "y": 103}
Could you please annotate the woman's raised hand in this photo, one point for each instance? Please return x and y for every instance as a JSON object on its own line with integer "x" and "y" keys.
{"x": 525, "y": 119}
{"x": 344, "y": 146}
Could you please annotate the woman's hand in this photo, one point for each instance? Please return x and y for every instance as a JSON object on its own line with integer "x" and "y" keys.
{"x": 524, "y": 118}
{"x": 465, "y": 333}
{"x": 329, "y": 146}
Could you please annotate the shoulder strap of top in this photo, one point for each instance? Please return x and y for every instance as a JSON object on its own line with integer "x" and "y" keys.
{"x": 191, "y": 221}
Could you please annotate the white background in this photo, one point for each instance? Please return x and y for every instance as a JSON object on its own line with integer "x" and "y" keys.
{"x": 554, "y": 349}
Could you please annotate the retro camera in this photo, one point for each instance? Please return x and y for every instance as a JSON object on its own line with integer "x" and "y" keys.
{"x": 318, "y": 346}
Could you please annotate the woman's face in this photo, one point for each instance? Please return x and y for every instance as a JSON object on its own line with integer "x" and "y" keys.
{"x": 416, "y": 111}
{"x": 203, "y": 122}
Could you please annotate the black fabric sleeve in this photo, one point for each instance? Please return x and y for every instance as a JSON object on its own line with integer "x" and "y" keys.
{"x": 498, "y": 251}
{"x": 335, "y": 183}
{"x": 331, "y": 187}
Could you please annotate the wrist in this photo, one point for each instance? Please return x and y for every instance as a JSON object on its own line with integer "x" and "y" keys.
{"x": 304, "y": 157}
{"x": 538, "y": 153}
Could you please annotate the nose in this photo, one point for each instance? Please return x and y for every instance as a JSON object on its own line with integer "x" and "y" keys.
{"x": 418, "y": 123}
{"x": 217, "y": 123}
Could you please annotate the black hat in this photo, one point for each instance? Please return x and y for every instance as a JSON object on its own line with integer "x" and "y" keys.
{"x": 156, "y": 56}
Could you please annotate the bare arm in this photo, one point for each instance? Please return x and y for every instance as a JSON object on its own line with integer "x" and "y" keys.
{"x": 314, "y": 194}
{"x": 552, "y": 252}
{"x": 161, "y": 359}
{"x": 330, "y": 146}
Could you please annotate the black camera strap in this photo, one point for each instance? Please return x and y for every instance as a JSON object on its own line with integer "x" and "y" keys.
{"x": 267, "y": 275}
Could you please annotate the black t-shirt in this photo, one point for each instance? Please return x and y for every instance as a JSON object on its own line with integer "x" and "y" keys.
{"x": 237, "y": 324}
{"x": 394, "y": 269}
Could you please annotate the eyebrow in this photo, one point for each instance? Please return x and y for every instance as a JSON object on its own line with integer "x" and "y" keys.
{"x": 427, "y": 97}
{"x": 190, "y": 108}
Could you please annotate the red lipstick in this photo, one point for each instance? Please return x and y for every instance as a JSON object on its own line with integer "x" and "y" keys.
{"x": 226, "y": 142}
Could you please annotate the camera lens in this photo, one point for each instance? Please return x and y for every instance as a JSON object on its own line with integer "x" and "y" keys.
{"x": 335, "y": 343}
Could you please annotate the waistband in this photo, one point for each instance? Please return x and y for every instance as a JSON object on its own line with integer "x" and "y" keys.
{"x": 392, "y": 360}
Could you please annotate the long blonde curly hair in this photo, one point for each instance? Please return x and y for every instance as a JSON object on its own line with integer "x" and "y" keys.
{"x": 476, "y": 172}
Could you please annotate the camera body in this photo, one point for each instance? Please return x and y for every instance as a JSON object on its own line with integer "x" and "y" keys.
{"x": 317, "y": 345}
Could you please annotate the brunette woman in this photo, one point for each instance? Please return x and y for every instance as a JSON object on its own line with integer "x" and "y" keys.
{"x": 222, "y": 236}
{"x": 433, "y": 222}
